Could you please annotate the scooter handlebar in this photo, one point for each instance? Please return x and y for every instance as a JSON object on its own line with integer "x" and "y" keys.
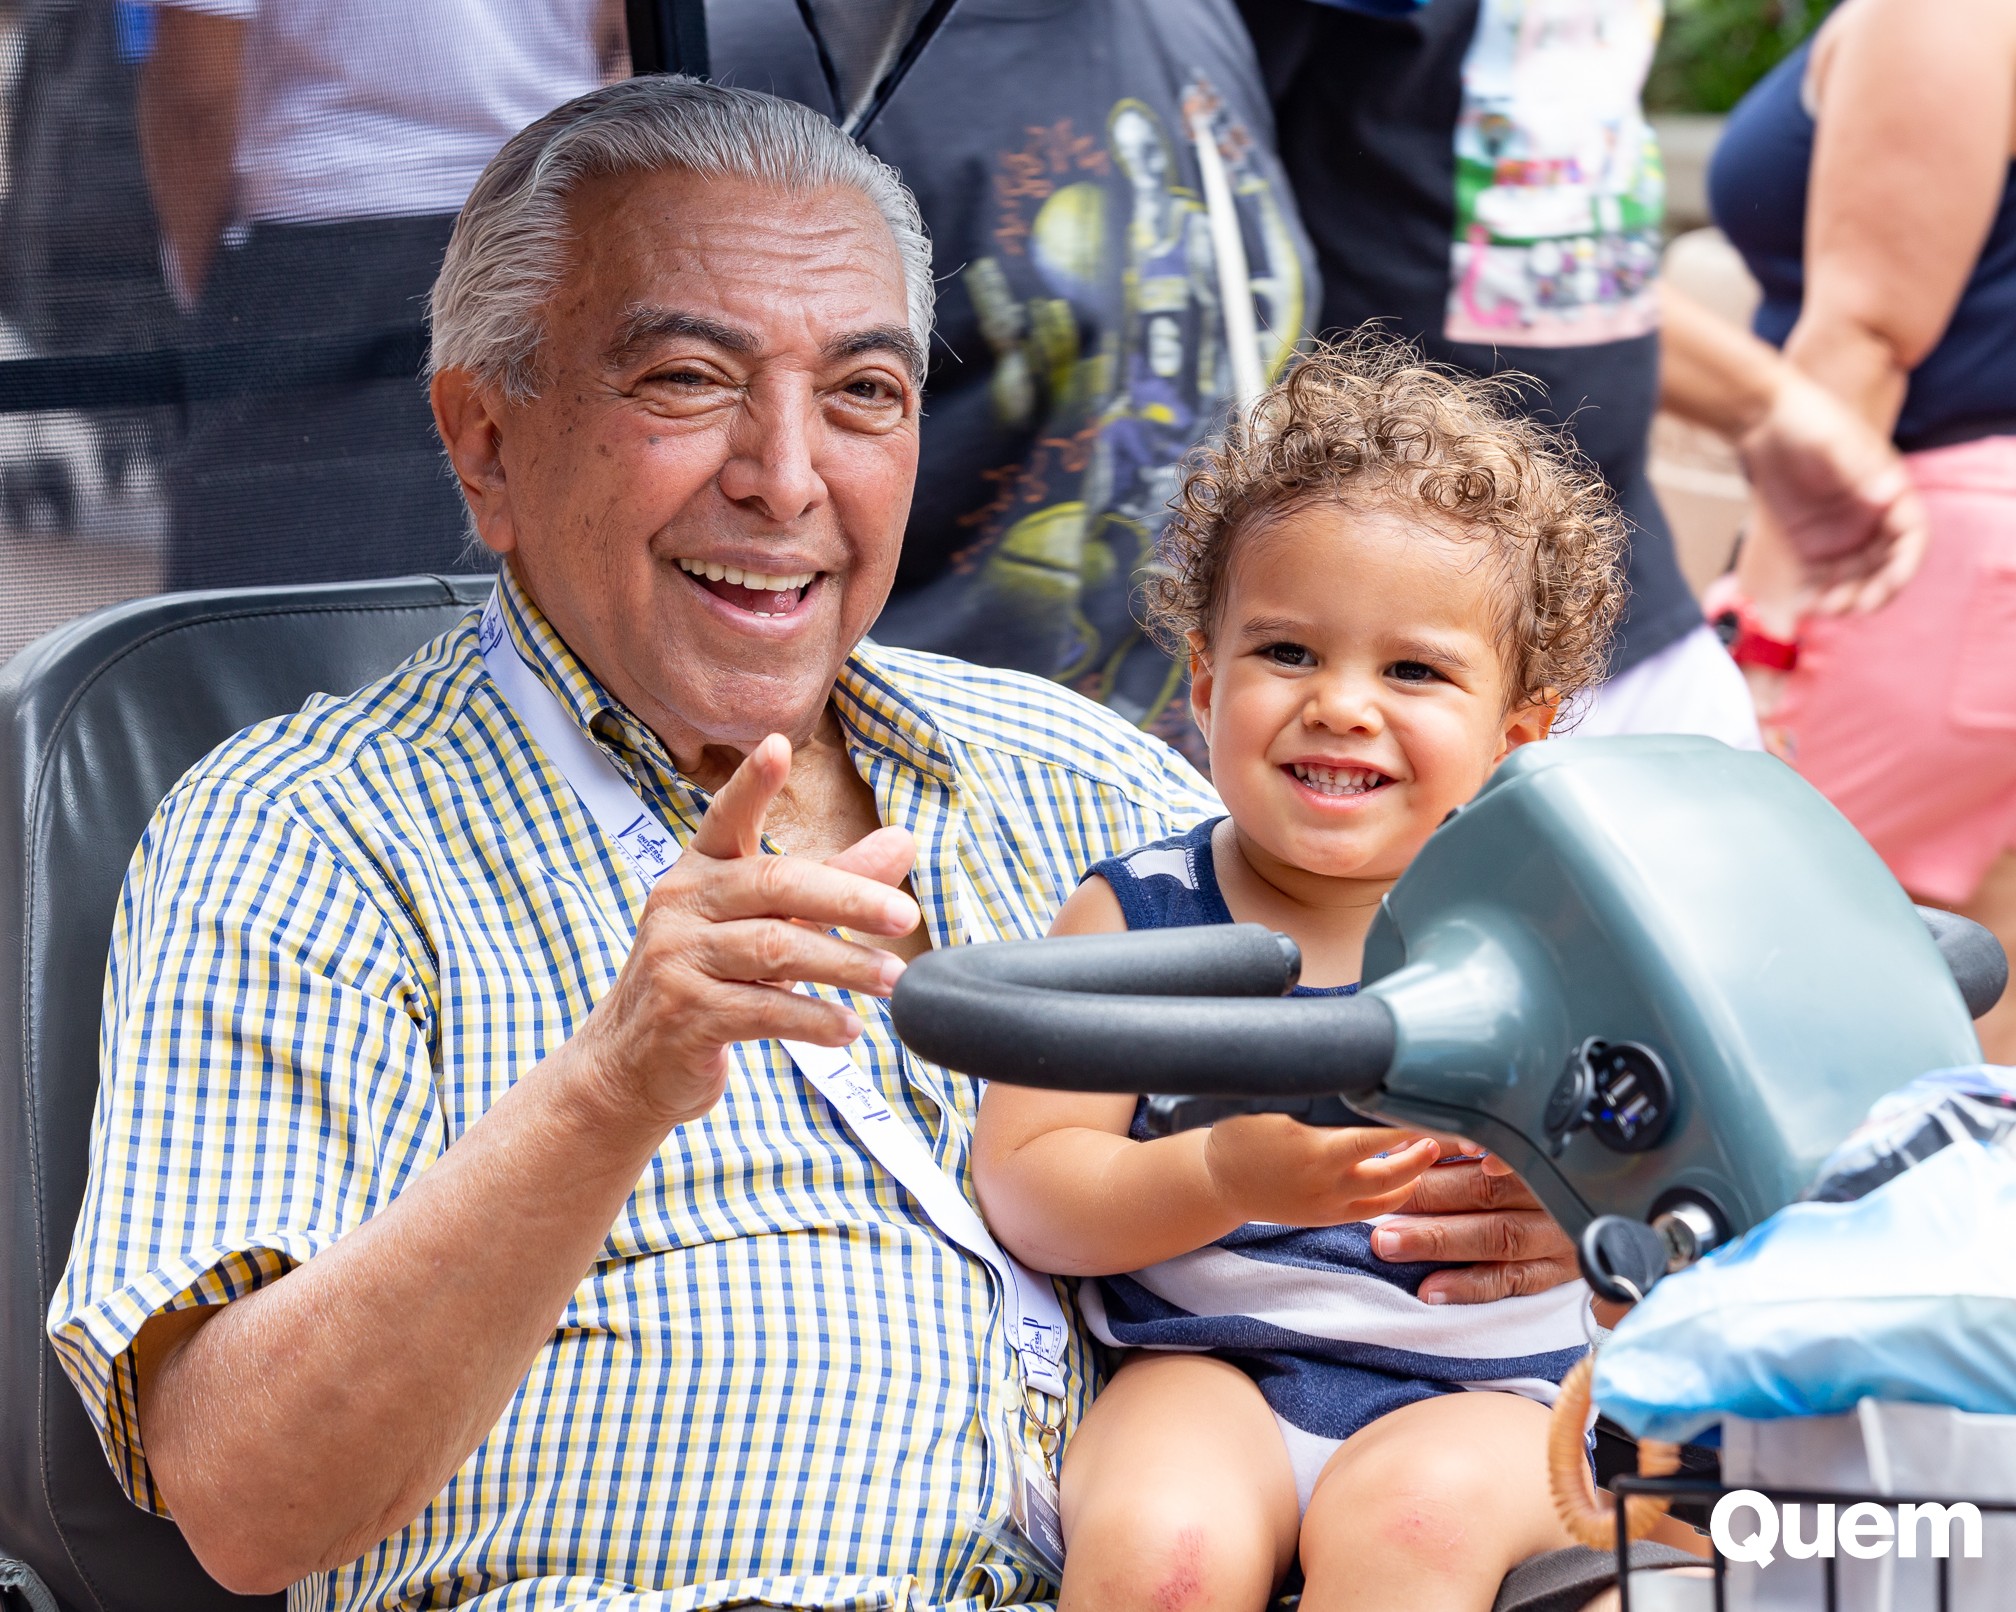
{"x": 1191, "y": 1012}
{"x": 1980, "y": 966}
{"x": 1200, "y": 1012}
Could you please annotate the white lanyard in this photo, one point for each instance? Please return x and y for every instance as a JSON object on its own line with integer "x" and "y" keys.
{"x": 1036, "y": 1319}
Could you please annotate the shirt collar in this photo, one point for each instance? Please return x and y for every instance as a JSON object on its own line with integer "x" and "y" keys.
{"x": 873, "y": 707}
{"x": 879, "y": 714}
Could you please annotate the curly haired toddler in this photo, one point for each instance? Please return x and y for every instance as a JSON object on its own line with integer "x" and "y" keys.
{"x": 1385, "y": 582}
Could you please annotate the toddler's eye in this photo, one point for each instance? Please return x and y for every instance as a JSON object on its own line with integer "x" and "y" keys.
{"x": 1412, "y": 671}
{"x": 1289, "y": 655}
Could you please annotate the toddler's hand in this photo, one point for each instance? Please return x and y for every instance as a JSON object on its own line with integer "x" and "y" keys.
{"x": 1271, "y": 1167}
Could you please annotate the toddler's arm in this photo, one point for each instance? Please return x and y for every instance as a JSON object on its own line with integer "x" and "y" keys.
{"x": 1067, "y": 1191}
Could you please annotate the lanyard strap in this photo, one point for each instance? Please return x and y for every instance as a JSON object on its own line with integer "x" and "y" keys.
{"x": 1036, "y": 1319}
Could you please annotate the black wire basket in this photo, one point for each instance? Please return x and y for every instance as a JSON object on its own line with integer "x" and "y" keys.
{"x": 1700, "y": 1494}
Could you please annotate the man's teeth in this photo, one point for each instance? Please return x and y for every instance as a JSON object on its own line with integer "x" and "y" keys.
{"x": 1339, "y": 780}
{"x": 754, "y": 581}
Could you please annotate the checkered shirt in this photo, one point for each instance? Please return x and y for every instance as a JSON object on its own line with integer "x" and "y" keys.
{"x": 344, "y": 935}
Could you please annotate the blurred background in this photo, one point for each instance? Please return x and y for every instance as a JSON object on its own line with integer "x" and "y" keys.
{"x": 137, "y": 392}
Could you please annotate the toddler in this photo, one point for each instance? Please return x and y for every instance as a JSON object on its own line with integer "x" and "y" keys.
{"x": 1385, "y": 583}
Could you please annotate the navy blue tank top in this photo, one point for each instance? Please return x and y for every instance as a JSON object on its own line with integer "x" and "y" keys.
{"x": 1173, "y": 884}
{"x": 1966, "y": 387}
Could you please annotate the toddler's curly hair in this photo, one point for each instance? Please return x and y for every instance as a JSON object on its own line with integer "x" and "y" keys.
{"x": 1368, "y": 423}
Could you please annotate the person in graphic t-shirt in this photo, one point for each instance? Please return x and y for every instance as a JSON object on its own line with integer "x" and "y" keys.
{"x": 1058, "y": 154}
{"x": 1479, "y": 177}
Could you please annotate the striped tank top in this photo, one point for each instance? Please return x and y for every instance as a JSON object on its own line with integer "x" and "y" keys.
{"x": 1334, "y": 1336}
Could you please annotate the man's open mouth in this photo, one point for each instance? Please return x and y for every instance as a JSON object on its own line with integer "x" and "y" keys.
{"x": 1337, "y": 781}
{"x": 754, "y": 591}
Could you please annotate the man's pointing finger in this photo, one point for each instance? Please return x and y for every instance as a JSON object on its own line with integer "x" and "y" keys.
{"x": 733, "y": 825}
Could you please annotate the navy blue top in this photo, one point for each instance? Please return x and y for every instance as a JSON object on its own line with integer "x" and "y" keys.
{"x": 1966, "y": 386}
{"x": 1173, "y": 884}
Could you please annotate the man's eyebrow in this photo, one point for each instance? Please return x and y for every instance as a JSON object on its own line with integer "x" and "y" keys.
{"x": 644, "y": 327}
{"x": 879, "y": 339}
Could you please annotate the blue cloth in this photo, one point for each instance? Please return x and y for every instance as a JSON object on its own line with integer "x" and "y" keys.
{"x": 1966, "y": 386}
{"x": 1335, "y": 1336}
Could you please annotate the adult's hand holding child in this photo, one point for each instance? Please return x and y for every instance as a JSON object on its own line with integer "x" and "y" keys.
{"x": 1483, "y": 1217}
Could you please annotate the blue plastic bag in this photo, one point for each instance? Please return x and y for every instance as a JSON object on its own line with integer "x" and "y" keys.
{"x": 1907, "y": 1292}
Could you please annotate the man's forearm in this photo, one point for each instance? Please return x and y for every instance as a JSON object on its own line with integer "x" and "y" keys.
{"x": 304, "y": 1423}
{"x": 188, "y": 120}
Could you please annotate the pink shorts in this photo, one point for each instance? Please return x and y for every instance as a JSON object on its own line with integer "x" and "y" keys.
{"x": 1906, "y": 719}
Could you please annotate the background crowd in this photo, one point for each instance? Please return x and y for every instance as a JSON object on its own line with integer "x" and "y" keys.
{"x": 220, "y": 217}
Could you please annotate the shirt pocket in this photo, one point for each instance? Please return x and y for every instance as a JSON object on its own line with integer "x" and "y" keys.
{"x": 1983, "y": 695}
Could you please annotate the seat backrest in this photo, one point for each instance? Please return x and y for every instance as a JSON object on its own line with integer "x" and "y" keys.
{"x": 97, "y": 721}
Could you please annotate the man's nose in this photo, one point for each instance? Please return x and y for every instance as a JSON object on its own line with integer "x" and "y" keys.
{"x": 771, "y": 465}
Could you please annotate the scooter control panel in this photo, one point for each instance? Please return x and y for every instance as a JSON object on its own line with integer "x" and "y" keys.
{"x": 1619, "y": 1090}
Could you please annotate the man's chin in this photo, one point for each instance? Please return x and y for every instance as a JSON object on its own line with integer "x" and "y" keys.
{"x": 727, "y": 690}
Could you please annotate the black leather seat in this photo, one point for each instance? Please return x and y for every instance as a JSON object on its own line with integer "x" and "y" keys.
{"x": 97, "y": 721}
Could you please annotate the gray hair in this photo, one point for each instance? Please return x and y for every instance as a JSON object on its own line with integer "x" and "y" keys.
{"x": 510, "y": 247}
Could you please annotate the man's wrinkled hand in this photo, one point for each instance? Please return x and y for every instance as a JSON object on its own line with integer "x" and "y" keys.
{"x": 726, "y": 934}
{"x": 1484, "y": 1217}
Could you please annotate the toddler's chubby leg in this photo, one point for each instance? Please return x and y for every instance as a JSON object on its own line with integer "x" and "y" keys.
{"x": 1178, "y": 1496}
{"x": 1429, "y": 1507}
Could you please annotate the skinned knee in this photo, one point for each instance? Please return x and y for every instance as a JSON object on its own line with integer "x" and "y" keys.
{"x": 1423, "y": 1505}
{"x": 1165, "y": 1553}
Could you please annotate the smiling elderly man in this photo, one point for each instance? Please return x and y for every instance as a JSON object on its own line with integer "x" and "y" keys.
{"x": 476, "y": 1216}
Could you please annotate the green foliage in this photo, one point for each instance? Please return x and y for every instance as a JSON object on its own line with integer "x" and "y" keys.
{"x": 1712, "y": 51}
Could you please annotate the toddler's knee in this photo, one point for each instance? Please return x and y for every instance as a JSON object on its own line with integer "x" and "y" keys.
{"x": 1427, "y": 1508}
{"x": 1168, "y": 1557}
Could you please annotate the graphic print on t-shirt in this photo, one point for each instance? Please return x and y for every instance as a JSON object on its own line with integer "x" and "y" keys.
{"x": 1559, "y": 190}
{"x": 1084, "y": 221}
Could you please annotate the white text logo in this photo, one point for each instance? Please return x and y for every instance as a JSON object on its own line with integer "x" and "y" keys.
{"x": 1865, "y": 1529}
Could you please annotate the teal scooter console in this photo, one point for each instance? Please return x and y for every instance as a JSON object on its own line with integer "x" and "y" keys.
{"x": 1660, "y": 977}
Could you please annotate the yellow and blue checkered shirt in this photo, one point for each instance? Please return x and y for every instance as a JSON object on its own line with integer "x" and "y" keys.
{"x": 344, "y": 935}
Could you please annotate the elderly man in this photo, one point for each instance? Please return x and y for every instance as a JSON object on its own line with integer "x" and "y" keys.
{"x": 477, "y": 1216}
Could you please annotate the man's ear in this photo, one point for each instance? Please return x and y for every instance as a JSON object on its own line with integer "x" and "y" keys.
{"x": 1201, "y": 683}
{"x": 465, "y": 413}
{"x": 1525, "y": 723}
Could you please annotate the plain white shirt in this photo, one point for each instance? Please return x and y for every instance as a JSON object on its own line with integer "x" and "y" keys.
{"x": 376, "y": 108}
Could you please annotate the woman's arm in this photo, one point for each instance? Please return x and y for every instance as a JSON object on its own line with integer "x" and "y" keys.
{"x": 1829, "y": 483}
{"x": 1916, "y": 107}
{"x": 1068, "y": 1191}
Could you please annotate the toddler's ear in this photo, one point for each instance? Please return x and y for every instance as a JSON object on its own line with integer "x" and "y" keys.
{"x": 1526, "y": 723}
{"x": 1202, "y": 683}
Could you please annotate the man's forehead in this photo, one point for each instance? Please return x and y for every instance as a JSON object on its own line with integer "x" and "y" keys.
{"x": 672, "y": 254}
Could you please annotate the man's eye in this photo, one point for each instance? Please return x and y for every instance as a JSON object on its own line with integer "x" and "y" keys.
{"x": 870, "y": 390}
{"x": 1289, "y": 655}
{"x": 1413, "y": 671}
{"x": 682, "y": 378}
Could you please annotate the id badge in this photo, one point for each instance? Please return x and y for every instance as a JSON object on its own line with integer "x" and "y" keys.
{"x": 1033, "y": 1530}
{"x": 1033, "y": 1506}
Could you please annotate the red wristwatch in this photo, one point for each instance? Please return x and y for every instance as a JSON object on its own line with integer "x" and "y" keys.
{"x": 1748, "y": 643}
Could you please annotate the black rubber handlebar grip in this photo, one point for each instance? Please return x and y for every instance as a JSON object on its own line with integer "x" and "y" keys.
{"x": 1980, "y": 966}
{"x": 1191, "y": 1012}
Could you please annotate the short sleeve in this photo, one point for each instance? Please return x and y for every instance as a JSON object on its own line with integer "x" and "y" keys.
{"x": 265, "y": 1082}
